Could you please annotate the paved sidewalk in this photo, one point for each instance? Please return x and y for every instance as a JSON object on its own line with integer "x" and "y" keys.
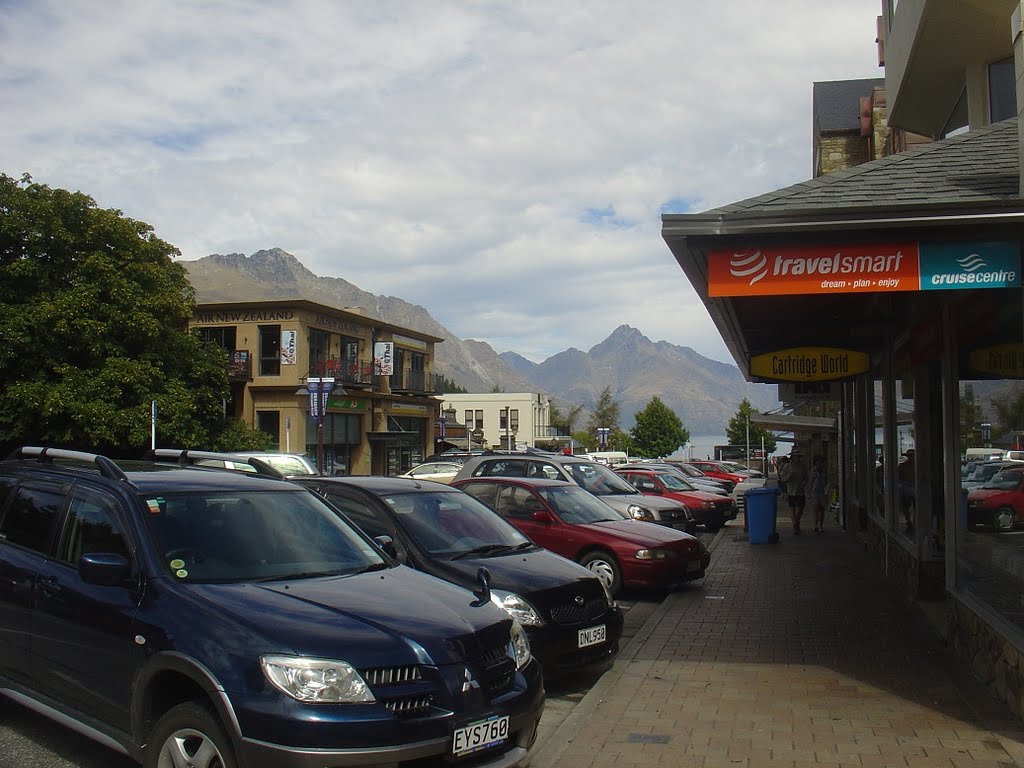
{"x": 791, "y": 654}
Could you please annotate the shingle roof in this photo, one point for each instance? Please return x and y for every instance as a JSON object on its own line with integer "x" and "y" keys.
{"x": 836, "y": 103}
{"x": 979, "y": 166}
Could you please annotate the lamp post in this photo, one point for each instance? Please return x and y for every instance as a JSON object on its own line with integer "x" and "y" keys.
{"x": 319, "y": 389}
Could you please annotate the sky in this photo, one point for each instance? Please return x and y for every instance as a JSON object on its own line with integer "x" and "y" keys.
{"x": 503, "y": 164}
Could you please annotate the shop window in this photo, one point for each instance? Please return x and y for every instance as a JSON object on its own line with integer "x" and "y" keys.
{"x": 223, "y": 337}
{"x": 990, "y": 508}
{"x": 319, "y": 347}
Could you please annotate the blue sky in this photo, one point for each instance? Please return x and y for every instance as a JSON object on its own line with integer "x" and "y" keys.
{"x": 504, "y": 165}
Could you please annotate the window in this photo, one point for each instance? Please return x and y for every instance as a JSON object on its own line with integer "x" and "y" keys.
{"x": 91, "y": 527}
{"x": 319, "y": 346}
{"x": 479, "y": 421}
{"x": 486, "y": 493}
{"x": 270, "y": 422}
{"x": 469, "y": 420}
{"x": 30, "y": 517}
{"x": 270, "y": 350}
{"x": 1002, "y": 97}
{"x": 518, "y": 503}
{"x": 223, "y": 337}
{"x": 371, "y": 522}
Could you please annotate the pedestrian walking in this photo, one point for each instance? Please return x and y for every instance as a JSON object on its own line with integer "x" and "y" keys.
{"x": 785, "y": 470}
{"x": 796, "y": 488}
{"x": 817, "y": 492}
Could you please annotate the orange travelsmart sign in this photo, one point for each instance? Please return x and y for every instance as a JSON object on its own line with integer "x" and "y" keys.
{"x": 822, "y": 269}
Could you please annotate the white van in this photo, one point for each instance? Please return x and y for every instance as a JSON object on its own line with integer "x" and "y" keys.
{"x": 983, "y": 454}
{"x": 1014, "y": 455}
{"x": 610, "y": 458}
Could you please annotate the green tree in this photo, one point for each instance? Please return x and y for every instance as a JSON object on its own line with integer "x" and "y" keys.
{"x": 658, "y": 431}
{"x": 1009, "y": 412}
{"x": 93, "y": 318}
{"x": 736, "y": 431}
{"x": 563, "y": 420}
{"x": 604, "y": 415}
{"x": 971, "y": 418}
{"x": 448, "y": 386}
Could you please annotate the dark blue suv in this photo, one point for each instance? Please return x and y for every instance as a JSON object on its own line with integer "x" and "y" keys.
{"x": 196, "y": 616}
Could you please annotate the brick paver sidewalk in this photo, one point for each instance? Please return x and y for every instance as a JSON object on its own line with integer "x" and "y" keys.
{"x": 788, "y": 655}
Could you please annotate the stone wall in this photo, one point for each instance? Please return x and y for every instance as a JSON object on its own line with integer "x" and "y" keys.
{"x": 837, "y": 153}
{"x": 991, "y": 658}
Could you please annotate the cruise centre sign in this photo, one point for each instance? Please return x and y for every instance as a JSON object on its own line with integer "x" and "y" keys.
{"x": 864, "y": 268}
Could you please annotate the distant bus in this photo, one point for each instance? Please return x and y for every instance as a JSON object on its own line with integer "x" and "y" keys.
{"x": 611, "y": 458}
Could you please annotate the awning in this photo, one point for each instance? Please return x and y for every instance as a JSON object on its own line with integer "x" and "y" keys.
{"x": 791, "y": 422}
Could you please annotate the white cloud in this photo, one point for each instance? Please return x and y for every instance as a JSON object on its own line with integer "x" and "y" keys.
{"x": 502, "y": 164}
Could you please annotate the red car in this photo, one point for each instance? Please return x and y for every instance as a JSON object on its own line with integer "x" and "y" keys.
{"x": 708, "y": 509}
{"x": 718, "y": 470}
{"x": 571, "y": 522}
{"x": 998, "y": 503}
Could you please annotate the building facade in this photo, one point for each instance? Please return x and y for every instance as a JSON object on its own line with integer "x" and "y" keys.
{"x": 380, "y": 415}
{"x": 897, "y": 282}
{"x": 506, "y": 420}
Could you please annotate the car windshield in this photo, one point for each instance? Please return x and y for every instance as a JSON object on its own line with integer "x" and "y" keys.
{"x": 577, "y": 506}
{"x": 454, "y": 524}
{"x": 675, "y": 482}
{"x": 598, "y": 479}
{"x": 255, "y": 536}
{"x": 1004, "y": 480}
{"x": 984, "y": 472}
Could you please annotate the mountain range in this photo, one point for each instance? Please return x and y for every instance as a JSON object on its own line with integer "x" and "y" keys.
{"x": 703, "y": 393}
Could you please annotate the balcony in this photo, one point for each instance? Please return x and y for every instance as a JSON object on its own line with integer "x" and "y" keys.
{"x": 416, "y": 382}
{"x": 239, "y": 365}
{"x": 351, "y": 374}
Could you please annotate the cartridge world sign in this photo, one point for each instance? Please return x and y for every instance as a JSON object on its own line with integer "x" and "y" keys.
{"x": 809, "y": 364}
{"x": 864, "y": 268}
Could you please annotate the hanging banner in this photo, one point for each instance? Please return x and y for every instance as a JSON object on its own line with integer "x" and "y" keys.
{"x": 384, "y": 358}
{"x": 288, "y": 343}
{"x": 319, "y": 393}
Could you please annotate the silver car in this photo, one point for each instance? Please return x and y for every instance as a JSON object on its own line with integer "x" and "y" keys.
{"x": 589, "y": 475}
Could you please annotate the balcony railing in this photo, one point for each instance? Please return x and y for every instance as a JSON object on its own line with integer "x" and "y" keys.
{"x": 240, "y": 365}
{"x": 347, "y": 372}
{"x": 419, "y": 382}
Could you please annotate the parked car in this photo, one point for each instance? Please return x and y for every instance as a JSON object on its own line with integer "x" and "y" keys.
{"x": 699, "y": 480}
{"x": 287, "y": 464}
{"x": 696, "y": 474}
{"x": 589, "y": 475}
{"x": 570, "y": 617}
{"x": 986, "y": 470}
{"x": 188, "y": 615}
{"x": 709, "y": 509}
{"x": 436, "y": 471}
{"x": 566, "y": 519}
{"x": 741, "y": 483}
{"x": 999, "y": 503}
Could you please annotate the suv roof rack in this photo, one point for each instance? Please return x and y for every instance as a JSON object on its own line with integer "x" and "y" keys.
{"x": 187, "y": 458}
{"x": 45, "y": 455}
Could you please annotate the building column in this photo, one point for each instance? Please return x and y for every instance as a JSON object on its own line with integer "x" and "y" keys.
{"x": 1018, "y": 70}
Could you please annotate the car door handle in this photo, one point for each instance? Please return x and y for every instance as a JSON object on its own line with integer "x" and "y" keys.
{"x": 49, "y": 586}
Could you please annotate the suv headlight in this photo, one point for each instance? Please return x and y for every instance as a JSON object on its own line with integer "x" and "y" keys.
{"x": 639, "y": 513}
{"x": 519, "y": 646}
{"x": 318, "y": 681}
{"x": 517, "y": 608}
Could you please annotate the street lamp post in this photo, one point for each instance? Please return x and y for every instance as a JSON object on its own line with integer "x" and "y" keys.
{"x": 319, "y": 389}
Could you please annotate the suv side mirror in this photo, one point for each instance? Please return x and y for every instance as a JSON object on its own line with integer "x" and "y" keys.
{"x": 104, "y": 569}
{"x": 388, "y": 545}
{"x": 542, "y": 516}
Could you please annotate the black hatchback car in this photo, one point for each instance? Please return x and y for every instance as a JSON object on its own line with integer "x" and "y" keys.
{"x": 572, "y": 621}
{"x": 198, "y": 616}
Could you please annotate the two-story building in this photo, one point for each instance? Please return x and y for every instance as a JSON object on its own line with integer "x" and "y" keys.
{"x": 380, "y": 414}
{"x": 507, "y": 420}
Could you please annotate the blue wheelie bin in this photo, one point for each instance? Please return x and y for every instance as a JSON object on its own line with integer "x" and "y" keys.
{"x": 760, "y": 510}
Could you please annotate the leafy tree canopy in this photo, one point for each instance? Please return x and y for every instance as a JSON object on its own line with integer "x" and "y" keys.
{"x": 736, "y": 430}
{"x": 93, "y": 318}
{"x": 658, "y": 431}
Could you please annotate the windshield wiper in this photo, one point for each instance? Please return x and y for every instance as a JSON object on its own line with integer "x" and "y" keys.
{"x": 485, "y": 549}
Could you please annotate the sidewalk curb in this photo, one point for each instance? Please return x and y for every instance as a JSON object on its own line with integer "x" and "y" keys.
{"x": 551, "y": 750}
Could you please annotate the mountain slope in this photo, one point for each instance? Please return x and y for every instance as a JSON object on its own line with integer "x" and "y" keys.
{"x": 704, "y": 393}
